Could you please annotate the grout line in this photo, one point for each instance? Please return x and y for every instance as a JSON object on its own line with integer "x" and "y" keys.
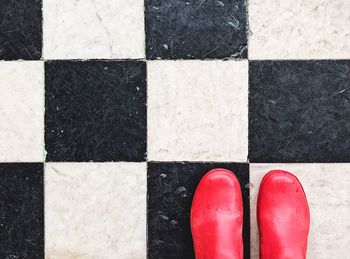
{"x": 172, "y": 60}
{"x": 43, "y": 105}
{"x": 42, "y": 30}
{"x": 301, "y": 60}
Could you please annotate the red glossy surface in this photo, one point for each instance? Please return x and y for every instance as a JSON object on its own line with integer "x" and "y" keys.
{"x": 283, "y": 217}
{"x": 217, "y": 217}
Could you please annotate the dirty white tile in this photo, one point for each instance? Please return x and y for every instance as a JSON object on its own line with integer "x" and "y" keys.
{"x": 95, "y": 210}
{"x": 21, "y": 111}
{"x": 93, "y": 29}
{"x": 327, "y": 190}
{"x": 197, "y": 110}
{"x": 299, "y": 29}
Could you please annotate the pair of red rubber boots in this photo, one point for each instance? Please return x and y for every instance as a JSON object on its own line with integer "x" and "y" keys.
{"x": 217, "y": 217}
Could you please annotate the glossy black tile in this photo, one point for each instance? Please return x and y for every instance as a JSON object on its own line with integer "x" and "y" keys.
{"x": 20, "y": 29}
{"x": 171, "y": 188}
{"x": 95, "y": 110}
{"x": 299, "y": 111}
{"x": 22, "y": 211}
{"x": 195, "y": 29}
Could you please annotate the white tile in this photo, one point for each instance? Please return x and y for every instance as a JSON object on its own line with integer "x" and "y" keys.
{"x": 299, "y": 29}
{"x": 93, "y": 29}
{"x": 327, "y": 190}
{"x": 197, "y": 110}
{"x": 95, "y": 210}
{"x": 21, "y": 111}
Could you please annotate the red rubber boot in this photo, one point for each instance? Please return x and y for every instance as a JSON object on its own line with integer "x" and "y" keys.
{"x": 217, "y": 217}
{"x": 283, "y": 217}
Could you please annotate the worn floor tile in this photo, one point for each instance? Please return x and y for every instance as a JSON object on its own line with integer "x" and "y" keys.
{"x": 95, "y": 210}
{"x": 299, "y": 111}
{"x": 20, "y": 30}
{"x": 21, "y": 111}
{"x": 22, "y": 210}
{"x": 298, "y": 29}
{"x": 197, "y": 29}
{"x": 170, "y": 189}
{"x": 95, "y": 110}
{"x": 93, "y": 29}
{"x": 327, "y": 190}
{"x": 197, "y": 110}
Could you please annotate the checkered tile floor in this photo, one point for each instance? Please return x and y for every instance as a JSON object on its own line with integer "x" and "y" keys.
{"x": 112, "y": 111}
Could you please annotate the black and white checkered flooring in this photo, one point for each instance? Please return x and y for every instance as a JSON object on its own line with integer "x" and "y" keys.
{"x": 112, "y": 111}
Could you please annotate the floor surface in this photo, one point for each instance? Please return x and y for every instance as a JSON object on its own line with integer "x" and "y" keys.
{"x": 112, "y": 111}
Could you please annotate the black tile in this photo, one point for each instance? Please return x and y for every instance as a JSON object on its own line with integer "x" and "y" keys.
{"x": 20, "y": 29}
{"x": 299, "y": 111}
{"x": 195, "y": 29}
{"x": 170, "y": 190}
{"x": 95, "y": 110}
{"x": 21, "y": 211}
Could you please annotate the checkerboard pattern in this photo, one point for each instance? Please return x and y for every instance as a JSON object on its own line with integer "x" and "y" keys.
{"x": 112, "y": 111}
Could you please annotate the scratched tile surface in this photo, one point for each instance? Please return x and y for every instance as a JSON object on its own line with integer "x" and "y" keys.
{"x": 75, "y": 228}
{"x": 298, "y": 29}
{"x": 195, "y": 29}
{"x": 20, "y": 29}
{"x": 95, "y": 110}
{"x": 93, "y": 29}
{"x": 21, "y": 111}
{"x": 189, "y": 102}
{"x": 299, "y": 111}
{"x": 122, "y": 106}
{"x": 22, "y": 210}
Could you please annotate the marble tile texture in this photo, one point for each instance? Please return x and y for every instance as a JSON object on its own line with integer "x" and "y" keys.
{"x": 327, "y": 190}
{"x": 95, "y": 210}
{"x": 197, "y": 110}
{"x": 299, "y": 111}
{"x": 20, "y": 30}
{"x": 299, "y": 29}
{"x": 195, "y": 29}
{"x": 21, "y": 111}
{"x": 95, "y": 111}
{"x": 21, "y": 210}
{"x": 93, "y": 29}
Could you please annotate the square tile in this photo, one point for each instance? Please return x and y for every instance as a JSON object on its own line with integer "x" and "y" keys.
{"x": 198, "y": 110}
{"x": 170, "y": 188}
{"x": 22, "y": 111}
{"x": 93, "y": 29}
{"x": 20, "y": 30}
{"x": 95, "y": 110}
{"x": 298, "y": 29}
{"x": 95, "y": 210}
{"x": 22, "y": 210}
{"x": 299, "y": 111}
{"x": 195, "y": 29}
{"x": 327, "y": 190}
